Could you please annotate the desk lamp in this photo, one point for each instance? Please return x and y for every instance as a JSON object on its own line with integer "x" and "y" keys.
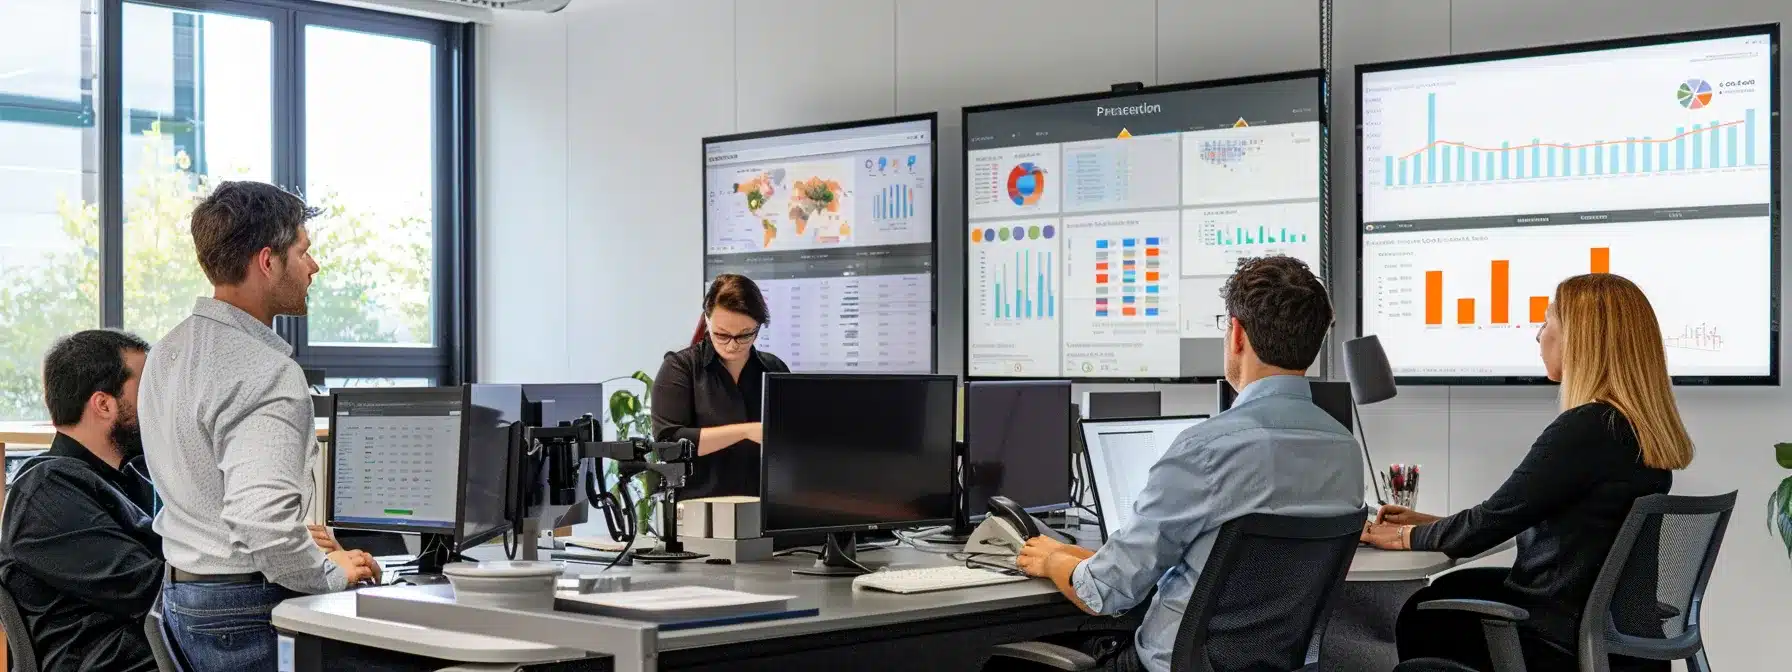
{"x": 1371, "y": 381}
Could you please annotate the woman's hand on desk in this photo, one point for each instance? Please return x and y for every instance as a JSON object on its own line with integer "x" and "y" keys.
{"x": 1388, "y": 536}
{"x": 1400, "y": 515}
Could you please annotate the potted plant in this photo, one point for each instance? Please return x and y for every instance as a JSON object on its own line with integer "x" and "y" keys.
{"x": 1779, "y": 504}
{"x": 630, "y": 414}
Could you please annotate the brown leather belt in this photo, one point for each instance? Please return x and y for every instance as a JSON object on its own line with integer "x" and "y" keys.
{"x": 178, "y": 575}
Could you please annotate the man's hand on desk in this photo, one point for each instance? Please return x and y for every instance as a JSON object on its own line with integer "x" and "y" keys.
{"x": 1034, "y": 557}
{"x": 358, "y": 566}
{"x": 324, "y": 539}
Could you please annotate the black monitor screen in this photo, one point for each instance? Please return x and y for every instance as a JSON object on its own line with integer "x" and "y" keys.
{"x": 856, "y": 452}
{"x": 485, "y": 466}
{"x": 566, "y": 402}
{"x": 1017, "y": 439}
{"x": 1333, "y": 397}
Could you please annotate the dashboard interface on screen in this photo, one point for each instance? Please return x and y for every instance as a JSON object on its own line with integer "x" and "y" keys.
{"x": 1101, "y": 228}
{"x": 1477, "y": 200}
{"x": 836, "y": 228}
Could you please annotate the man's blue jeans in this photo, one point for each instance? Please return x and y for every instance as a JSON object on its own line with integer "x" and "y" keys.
{"x": 224, "y": 627}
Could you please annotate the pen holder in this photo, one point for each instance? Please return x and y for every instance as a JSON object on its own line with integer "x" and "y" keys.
{"x": 1402, "y": 483}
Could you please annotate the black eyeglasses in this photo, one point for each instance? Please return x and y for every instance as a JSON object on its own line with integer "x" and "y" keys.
{"x": 742, "y": 339}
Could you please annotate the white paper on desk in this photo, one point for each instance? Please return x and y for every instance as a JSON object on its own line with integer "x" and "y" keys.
{"x": 680, "y": 599}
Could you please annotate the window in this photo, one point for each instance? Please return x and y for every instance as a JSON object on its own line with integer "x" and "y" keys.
{"x": 198, "y": 92}
{"x": 370, "y": 162}
{"x": 49, "y": 229}
{"x": 117, "y": 116}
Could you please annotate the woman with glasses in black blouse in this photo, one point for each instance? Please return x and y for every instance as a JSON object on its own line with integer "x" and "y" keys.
{"x": 709, "y": 392}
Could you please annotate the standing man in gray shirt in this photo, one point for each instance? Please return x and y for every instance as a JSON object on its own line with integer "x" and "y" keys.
{"x": 1274, "y": 452}
{"x": 228, "y": 435}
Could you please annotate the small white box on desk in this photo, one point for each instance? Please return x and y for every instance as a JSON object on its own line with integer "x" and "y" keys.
{"x": 693, "y": 518}
{"x": 721, "y": 518}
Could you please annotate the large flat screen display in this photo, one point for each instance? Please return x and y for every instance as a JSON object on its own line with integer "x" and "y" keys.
{"x": 835, "y": 225}
{"x": 1101, "y": 227}
{"x": 1487, "y": 179}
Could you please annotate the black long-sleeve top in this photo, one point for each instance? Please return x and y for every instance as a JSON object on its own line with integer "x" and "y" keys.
{"x": 78, "y": 554}
{"x": 692, "y": 391}
{"x": 1565, "y": 503}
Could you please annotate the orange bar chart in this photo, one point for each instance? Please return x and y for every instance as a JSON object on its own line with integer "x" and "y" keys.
{"x": 1501, "y": 280}
{"x": 1600, "y": 260}
{"x": 1434, "y": 297}
{"x": 1539, "y": 308}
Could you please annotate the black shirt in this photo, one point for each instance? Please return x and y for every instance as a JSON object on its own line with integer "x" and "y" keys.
{"x": 694, "y": 391}
{"x": 79, "y": 556}
{"x": 1565, "y": 503}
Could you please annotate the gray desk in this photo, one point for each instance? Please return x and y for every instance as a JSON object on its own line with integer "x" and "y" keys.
{"x": 855, "y": 629}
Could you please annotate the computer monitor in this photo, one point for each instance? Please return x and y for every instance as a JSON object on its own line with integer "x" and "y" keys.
{"x": 1017, "y": 444}
{"x": 850, "y": 453}
{"x": 1105, "y": 405}
{"x": 432, "y": 461}
{"x": 566, "y": 402}
{"x": 1120, "y": 454}
{"x": 1331, "y": 396}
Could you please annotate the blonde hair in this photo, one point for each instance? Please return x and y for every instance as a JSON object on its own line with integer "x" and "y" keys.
{"x": 1612, "y": 352}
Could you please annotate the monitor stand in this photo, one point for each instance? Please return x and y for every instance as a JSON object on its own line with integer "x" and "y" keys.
{"x": 839, "y": 557}
{"x": 438, "y": 551}
{"x": 957, "y": 535}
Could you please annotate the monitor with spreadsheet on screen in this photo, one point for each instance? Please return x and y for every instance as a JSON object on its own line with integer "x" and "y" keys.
{"x": 1120, "y": 454}
{"x": 424, "y": 460}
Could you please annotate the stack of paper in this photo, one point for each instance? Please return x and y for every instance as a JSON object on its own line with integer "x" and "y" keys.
{"x": 664, "y": 605}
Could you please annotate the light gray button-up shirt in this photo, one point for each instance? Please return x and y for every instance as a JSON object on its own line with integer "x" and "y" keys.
{"x": 230, "y": 442}
{"x": 1272, "y": 452}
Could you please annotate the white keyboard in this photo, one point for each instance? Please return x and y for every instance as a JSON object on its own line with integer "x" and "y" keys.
{"x": 928, "y": 579}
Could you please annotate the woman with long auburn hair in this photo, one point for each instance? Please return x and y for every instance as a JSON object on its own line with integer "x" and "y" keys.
{"x": 1618, "y": 438}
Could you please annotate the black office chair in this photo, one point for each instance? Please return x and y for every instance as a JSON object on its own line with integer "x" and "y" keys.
{"x": 1645, "y": 603}
{"x": 18, "y": 640}
{"x": 1260, "y": 603}
{"x": 160, "y": 644}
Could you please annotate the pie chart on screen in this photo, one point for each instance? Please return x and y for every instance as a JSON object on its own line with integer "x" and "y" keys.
{"x": 1025, "y": 183}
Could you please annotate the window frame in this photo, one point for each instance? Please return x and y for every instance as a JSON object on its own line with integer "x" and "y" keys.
{"x": 449, "y": 360}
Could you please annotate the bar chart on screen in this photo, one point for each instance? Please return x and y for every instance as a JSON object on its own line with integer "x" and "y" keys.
{"x": 1015, "y": 279}
{"x": 1433, "y": 295}
{"x": 1216, "y": 238}
{"x": 1678, "y": 126}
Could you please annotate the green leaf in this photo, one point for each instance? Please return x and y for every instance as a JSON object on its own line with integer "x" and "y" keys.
{"x": 1779, "y": 514}
{"x": 1783, "y": 452}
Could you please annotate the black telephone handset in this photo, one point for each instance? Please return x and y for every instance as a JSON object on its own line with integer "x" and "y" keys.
{"x": 1023, "y": 522}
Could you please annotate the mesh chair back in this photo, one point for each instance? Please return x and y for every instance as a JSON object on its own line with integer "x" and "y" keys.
{"x": 1264, "y": 592}
{"x": 1646, "y": 601}
{"x": 18, "y": 639}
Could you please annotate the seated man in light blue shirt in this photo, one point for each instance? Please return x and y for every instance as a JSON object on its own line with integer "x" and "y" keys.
{"x": 1272, "y": 452}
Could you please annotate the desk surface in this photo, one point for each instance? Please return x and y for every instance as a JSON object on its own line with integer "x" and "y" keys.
{"x": 841, "y": 606}
{"x": 41, "y": 433}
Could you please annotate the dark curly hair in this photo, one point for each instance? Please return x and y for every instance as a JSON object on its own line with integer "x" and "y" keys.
{"x": 1282, "y": 307}
{"x": 237, "y": 220}
{"x": 82, "y": 363}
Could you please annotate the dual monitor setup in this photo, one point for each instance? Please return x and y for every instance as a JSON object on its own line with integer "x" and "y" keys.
{"x": 1098, "y": 229}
